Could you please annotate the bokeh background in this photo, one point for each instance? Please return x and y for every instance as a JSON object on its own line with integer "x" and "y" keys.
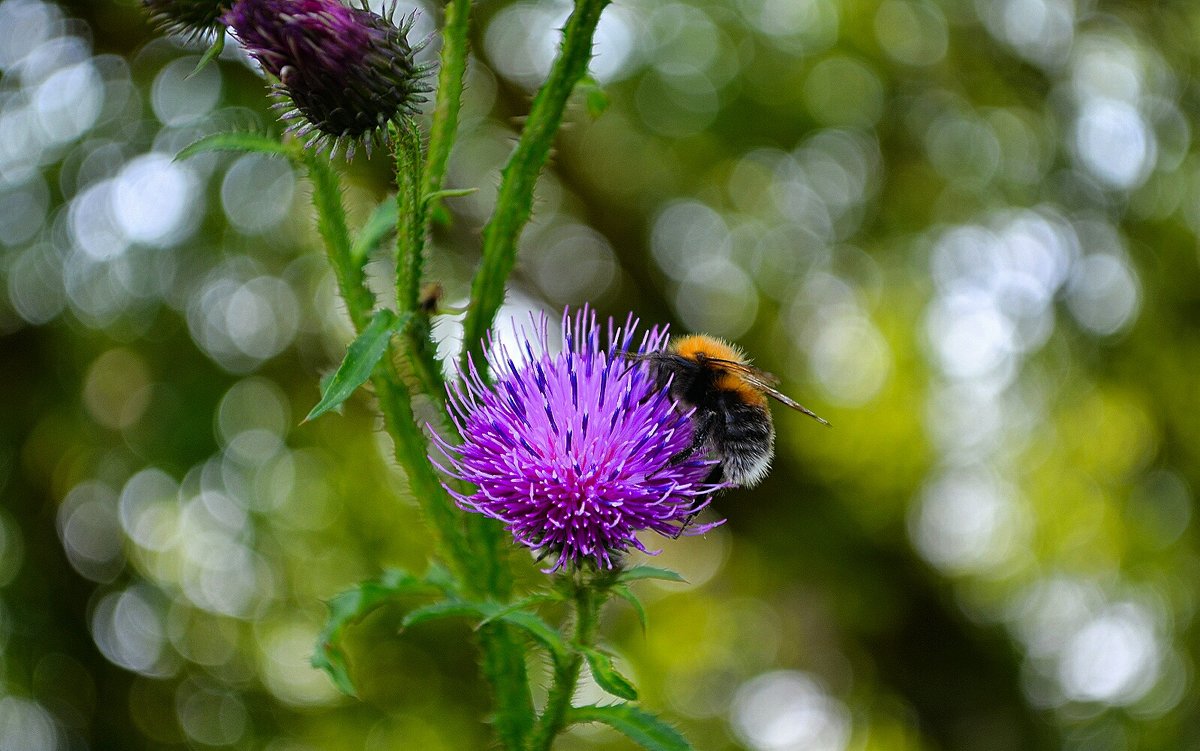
{"x": 965, "y": 232}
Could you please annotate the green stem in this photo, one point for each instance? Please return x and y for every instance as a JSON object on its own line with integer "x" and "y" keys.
{"x": 410, "y": 449}
{"x": 411, "y": 234}
{"x": 422, "y": 356}
{"x": 515, "y": 200}
{"x": 335, "y": 232}
{"x": 452, "y": 68}
{"x": 410, "y": 226}
{"x": 566, "y": 673}
{"x": 417, "y": 181}
{"x": 503, "y": 666}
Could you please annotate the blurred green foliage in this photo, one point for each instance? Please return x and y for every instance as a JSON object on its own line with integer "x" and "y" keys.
{"x": 965, "y": 232}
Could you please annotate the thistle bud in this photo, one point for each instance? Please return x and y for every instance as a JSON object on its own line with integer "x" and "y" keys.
{"x": 344, "y": 73}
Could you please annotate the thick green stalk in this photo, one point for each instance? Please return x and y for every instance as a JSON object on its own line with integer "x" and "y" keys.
{"x": 566, "y": 673}
{"x": 409, "y": 446}
{"x": 411, "y": 234}
{"x": 452, "y": 68}
{"x": 334, "y": 231}
{"x": 515, "y": 200}
{"x": 410, "y": 225}
{"x": 417, "y": 182}
{"x": 503, "y": 666}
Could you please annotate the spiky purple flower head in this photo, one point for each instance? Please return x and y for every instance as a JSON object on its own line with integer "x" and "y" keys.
{"x": 344, "y": 73}
{"x": 573, "y": 452}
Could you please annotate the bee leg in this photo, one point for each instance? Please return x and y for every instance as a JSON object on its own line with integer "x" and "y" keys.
{"x": 686, "y": 523}
{"x": 702, "y": 428}
{"x": 714, "y": 478}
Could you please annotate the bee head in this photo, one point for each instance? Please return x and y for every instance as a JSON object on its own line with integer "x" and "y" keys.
{"x": 684, "y": 373}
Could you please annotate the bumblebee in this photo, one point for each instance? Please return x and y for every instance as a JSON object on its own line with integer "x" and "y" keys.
{"x": 731, "y": 421}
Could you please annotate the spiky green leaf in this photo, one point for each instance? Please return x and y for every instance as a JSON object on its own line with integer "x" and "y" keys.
{"x": 626, "y": 594}
{"x": 361, "y": 358}
{"x": 645, "y": 729}
{"x": 249, "y": 142}
{"x": 350, "y": 607}
{"x": 607, "y": 676}
{"x": 594, "y": 96}
{"x": 523, "y": 603}
{"x": 378, "y": 227}
{"x": 445, "y": 609}
{"x": 650, "y": 572}
{"x": 449, "y": 193}
{"x": 490, "y": 613}
{"x": 211, "y": 53}
{"x": 540, "y": 631}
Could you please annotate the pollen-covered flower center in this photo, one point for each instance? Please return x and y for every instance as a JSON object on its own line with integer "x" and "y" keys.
{"x": 575, "y": 493}
{"x": 591, "y": 443}
{"x": 576, "y": 501}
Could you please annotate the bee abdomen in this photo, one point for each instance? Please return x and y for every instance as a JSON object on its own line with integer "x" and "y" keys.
{"x": 745, "y": 442}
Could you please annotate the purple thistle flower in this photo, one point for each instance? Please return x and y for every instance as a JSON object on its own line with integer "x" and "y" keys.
{"x": 344, "y": 73}
{"x": 190, "y": 18}
{"x": 573, "y": 452}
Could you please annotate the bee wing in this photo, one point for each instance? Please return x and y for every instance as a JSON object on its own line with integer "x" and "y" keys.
{"x": 766, "y": 383}
{"x": 637, "y": 356}
{"x": 789, "y": 401}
